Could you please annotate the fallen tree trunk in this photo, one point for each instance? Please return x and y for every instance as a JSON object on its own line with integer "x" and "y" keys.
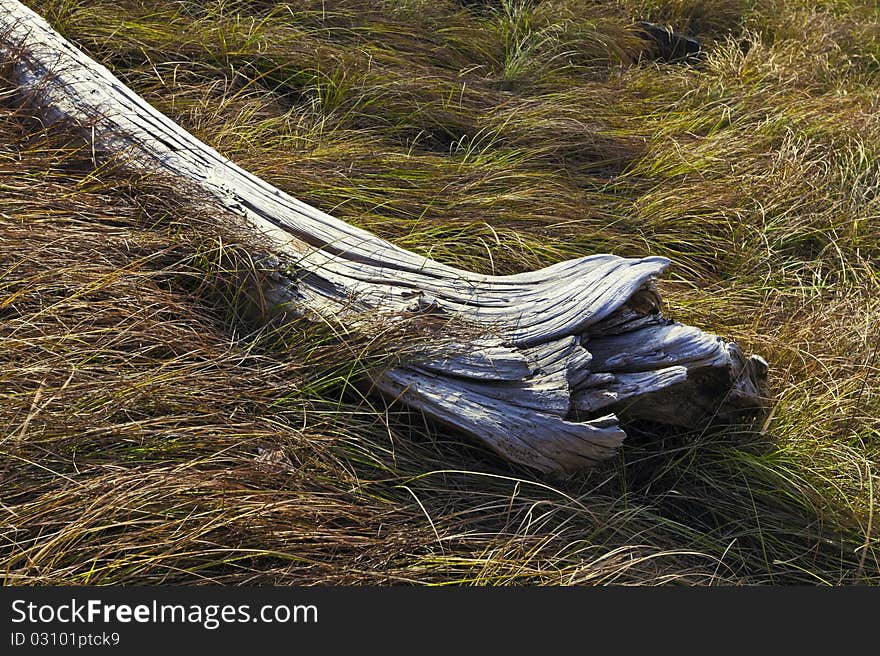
{"x": 557, "y": 353}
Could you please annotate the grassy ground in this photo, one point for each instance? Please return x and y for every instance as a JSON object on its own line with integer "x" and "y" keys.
{"x": 151, "y": 433}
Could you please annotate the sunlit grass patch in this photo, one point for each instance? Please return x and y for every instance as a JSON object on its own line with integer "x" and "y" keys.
{"x": 155, "y": 428}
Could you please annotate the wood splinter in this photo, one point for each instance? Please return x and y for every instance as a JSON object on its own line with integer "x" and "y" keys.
{"x": 564, "y": 350}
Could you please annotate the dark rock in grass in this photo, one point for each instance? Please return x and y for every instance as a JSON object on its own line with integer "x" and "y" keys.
{"x": 668, "y": 46}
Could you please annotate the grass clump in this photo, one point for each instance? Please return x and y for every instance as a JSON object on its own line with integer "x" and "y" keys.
{"x": 153, "y": 432}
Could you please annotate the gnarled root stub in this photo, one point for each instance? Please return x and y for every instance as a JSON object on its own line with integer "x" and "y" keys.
{"x": 564, "y": 351}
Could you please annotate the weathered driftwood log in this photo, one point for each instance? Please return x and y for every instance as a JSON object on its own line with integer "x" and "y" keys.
{"x": 561, "y": 352}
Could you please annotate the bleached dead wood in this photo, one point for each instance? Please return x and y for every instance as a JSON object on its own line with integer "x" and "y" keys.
{"x": 563, "y": 350}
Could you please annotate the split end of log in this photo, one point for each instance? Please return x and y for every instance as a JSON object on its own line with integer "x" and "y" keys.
{"x": 566, "y": 418}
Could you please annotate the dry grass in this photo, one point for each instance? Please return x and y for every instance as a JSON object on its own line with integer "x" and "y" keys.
{"x": 153, "y": 432}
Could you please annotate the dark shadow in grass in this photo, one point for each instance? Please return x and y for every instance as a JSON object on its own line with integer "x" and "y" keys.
{"x": 664, "y": 44}
{"x": 652, "y": 448}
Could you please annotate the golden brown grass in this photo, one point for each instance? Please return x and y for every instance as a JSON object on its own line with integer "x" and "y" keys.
{"x": 152, "y": 432}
